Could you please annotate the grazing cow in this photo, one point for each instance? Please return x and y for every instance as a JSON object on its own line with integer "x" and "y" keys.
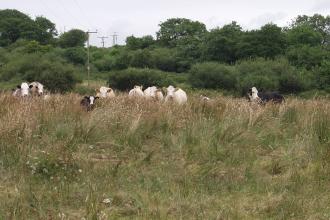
{"x": 36, "y": 88}
{"x": 176, "y": 94}
{"x": 153, "y": 93}
{"x": 105, "y": 92}
{"x": 264, "y": 97}
{"x": 22, "y": 90}
{"x": 88, "y": 102}
{"x": 136, "y": 92}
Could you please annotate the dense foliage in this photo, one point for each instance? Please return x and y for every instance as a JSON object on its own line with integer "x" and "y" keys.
{"x": 291, "y": 59}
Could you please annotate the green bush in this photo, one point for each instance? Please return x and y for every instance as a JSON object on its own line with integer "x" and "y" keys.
{"x": 323, "y": 76}
{"x": 56, "y": 75}
{"x": 275, "y": 74}
{"x": 306, "y": 56}
{"x": 164, "y": 59}
{"x": 126, "y": 79}
{"x": 76, "y": 55}
{"x": 213, "y": 75}
{"x": 293, "y": 83}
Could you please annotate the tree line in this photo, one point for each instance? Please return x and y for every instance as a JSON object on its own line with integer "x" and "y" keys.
{"x": 291, "y": 59}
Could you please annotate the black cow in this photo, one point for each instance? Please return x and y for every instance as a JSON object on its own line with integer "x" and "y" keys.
{"x": 88, "y": 102}
{"x": 264, "y": 97}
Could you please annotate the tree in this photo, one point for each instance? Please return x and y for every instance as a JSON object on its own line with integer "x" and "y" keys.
{"x": 175, "y": 29}
{"x": 318, "y": 22}
{"x": 15, "y": 25}
{"x": 47, "y": 30}
{"x": 268, "y": 42}
{"x": 221, "y": 44}
{"x": 306, "y": 56}
{"x": 134, "y": 43}
{"x": 304, "y": 35}
{"x": 73, "y": 38}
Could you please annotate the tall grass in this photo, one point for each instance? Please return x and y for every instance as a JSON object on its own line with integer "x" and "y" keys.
{"x": 138, "y": 159}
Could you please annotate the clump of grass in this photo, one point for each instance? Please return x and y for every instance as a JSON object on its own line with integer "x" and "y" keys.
{"x": 222, "y": 159}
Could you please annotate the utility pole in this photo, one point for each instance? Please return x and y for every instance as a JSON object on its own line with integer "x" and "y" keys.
{"x": 88, "y": 67}
{"x": 102, "y": 41}
{"x": 114, "y": 38}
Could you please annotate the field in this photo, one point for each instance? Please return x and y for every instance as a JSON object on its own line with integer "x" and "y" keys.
{"x": 138, "y": 159}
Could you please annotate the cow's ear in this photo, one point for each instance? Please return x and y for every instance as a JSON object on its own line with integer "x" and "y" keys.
{"x": 96, "y": 97}
{"x": 18, "y": 86}
{"x": 30, "y": 86}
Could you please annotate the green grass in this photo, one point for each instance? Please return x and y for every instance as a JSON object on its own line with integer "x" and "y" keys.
{"x": 227, "y": 159}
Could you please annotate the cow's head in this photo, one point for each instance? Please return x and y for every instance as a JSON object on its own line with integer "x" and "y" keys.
{"x": 40, "y": 89}
{"x": 170, "y": 91}
{"x": 91, "y": 99}
{"x": 138, "y": 87}
{"x": 36, "y": 88}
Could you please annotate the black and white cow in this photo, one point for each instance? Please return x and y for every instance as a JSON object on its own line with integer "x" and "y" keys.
{"x": 88, "y": 102}
{"x": 264, "y": 97}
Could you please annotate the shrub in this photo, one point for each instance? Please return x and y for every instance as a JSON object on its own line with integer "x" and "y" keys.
{"x": 275, "y": 74}
{"x": 126, "y": 79}
{"x": 294, "y": 82}
{"x": 212, "y": 75}
{"x": 164, "y": 59}
{"x": 306, "y": 56}
{"x": 76, "y": 55}
{"x": 323, "y": 76}
{"x": 140, "y": 59}
{"x": 55, "y": 74}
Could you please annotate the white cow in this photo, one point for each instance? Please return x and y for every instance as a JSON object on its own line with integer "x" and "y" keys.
{"x": 176, "y": 94}
{"x": 105, "y": 92}
{"x": 22, "y": 90}
{"x": 136, "y": 92}
{"x": 153, "y": 93}
{"x": 36, "y": 88}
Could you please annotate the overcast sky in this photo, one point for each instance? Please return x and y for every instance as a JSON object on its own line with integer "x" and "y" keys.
{"x": 141, "y": 17}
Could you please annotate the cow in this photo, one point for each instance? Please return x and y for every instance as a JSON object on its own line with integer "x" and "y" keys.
{"x": 153, "y": 93}
{"x": 105, "y": 92}
{"x": 88, "y": 102}
{"x": 264, "y": 97}
{"x": 204, "y": 98}
{"x": 22, "y": 90}
{"x": 136, "y": 92}
{"x": 175, "y": 94}
{"x": 36, "y": 88}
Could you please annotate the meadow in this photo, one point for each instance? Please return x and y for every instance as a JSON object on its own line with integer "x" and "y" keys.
{"x": 138, "y": 159}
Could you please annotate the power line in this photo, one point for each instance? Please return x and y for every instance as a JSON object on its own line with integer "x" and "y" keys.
{"x": 102, "y": 40}
{"x": 50, "y": 10}
{"x": 114, "y": 38}
{"x": 83, "y": 12}
{"x": 74, "y": 17}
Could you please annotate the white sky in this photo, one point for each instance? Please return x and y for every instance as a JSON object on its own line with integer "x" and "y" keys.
{"x": 141, "y": 17}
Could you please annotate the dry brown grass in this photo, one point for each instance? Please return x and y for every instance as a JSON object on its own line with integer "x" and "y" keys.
{"x": 226, "y": 159}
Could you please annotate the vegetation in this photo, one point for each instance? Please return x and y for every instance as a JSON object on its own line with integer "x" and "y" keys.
{"x": 146, "y": 160}
{"x": 292, "y": 59}
{"x": 138, "y": 159}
